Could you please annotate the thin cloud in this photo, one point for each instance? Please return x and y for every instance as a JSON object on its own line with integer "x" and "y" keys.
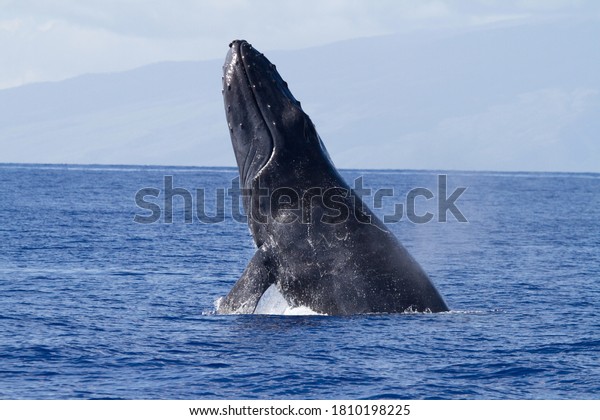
{"x": 41, "y": 40}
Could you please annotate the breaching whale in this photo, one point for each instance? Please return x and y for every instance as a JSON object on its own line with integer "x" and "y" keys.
{"x": 318, "y": 245}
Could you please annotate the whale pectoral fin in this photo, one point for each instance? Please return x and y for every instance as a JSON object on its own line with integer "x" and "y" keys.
{"x": 245, "y": 294}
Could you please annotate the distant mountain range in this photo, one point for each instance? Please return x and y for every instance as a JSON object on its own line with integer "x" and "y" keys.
{"x": 521, "y": 97}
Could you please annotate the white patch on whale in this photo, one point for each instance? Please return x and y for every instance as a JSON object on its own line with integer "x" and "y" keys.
{"x": 272, "y": 302}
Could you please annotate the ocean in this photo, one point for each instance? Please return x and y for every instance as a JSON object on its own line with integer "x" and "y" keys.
{"x": 96, "y": 305}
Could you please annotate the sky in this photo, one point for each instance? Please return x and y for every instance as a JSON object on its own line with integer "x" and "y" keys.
{"x": 50, "y": 40}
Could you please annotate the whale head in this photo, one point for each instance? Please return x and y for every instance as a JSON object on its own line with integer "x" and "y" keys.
{"x": 265, "y": 120}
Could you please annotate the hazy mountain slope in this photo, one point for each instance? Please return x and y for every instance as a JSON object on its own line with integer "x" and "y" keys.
{"x": 155, "y": 114}
{"x": 506, "y": 98}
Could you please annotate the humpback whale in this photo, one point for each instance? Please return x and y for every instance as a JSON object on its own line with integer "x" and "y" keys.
{"x": 318, "y": 245}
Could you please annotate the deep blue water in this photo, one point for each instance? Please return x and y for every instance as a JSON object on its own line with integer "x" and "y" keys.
{"x": 93, "y": 305}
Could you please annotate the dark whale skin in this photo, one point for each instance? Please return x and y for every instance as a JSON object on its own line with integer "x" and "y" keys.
{"x": 317, "y": 242}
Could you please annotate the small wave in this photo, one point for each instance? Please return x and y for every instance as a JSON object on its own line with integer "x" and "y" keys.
{"x": 471, "y": 312}
{"x": 300, "y": 311}
{"x": 272, "y": 303}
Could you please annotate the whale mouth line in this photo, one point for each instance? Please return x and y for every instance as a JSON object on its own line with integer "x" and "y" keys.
{"x": 241, "y": 46}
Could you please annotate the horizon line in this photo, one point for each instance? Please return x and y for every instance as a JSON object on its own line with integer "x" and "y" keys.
{"x": 125, "y": 166}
